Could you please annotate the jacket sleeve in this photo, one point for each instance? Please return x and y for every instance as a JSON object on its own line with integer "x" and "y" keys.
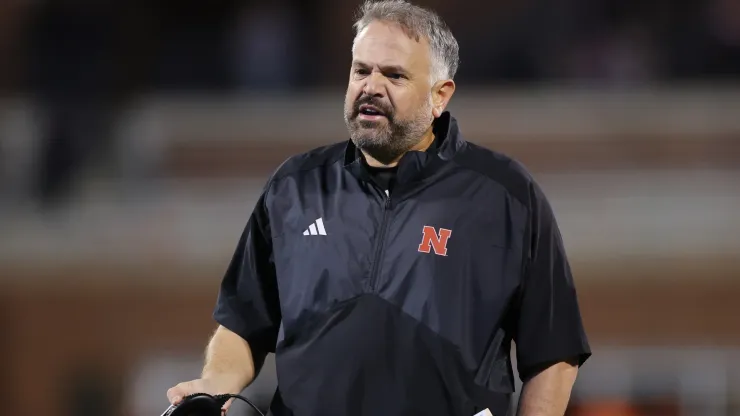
{"x": 549, "y": 327}
{"x": 247, "y": 301}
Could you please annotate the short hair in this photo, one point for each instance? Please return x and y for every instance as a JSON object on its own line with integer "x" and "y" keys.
{"x": 416, "y": 22}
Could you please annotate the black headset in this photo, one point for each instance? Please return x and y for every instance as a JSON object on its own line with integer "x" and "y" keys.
{"x": 203, "y": 404}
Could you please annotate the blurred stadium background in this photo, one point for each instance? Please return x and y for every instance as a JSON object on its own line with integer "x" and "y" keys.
{"x": 135, "y": 135}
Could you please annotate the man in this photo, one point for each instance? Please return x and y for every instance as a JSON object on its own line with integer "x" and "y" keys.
{"x": 390, "y": 273}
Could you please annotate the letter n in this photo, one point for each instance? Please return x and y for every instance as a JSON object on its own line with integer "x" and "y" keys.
{"x": 432, "y": 240}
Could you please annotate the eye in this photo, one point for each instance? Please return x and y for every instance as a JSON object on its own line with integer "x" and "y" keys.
{"x": 396, "y": 76}
{"x": 361, "y": 71}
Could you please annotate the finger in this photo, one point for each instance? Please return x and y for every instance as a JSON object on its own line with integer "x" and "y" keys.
{"x": 225, "y": 409}
{"x": 227, "y": 405}
{"x": 174, "y": 395}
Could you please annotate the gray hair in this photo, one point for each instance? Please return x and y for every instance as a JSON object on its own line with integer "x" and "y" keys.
{"x": 416, "y": 22}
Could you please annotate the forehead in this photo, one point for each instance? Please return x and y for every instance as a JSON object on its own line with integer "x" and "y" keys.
{"x": 382, "y": 43}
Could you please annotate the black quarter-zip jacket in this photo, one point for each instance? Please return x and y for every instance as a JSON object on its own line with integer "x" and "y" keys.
{"x": 406, "y": 303}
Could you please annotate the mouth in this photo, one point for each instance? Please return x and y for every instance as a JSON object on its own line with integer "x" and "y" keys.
{"x": 370, "y": 112}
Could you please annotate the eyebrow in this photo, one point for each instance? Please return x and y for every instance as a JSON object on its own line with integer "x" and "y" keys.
{"x": 384, "y": 68}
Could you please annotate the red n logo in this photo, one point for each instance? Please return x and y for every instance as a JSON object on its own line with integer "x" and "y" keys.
{"x": 431, "y": 239}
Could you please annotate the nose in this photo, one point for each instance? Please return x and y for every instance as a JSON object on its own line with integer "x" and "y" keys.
{"x": 374, "y": 86}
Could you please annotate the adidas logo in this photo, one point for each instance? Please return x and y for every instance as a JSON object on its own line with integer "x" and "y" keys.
{"x": 317, "y": 228}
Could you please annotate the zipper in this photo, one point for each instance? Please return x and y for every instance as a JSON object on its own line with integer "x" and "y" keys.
{"x": 380, "y": 244}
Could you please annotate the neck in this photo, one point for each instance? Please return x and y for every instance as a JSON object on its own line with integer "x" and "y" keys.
{"x": 426, "y": 140}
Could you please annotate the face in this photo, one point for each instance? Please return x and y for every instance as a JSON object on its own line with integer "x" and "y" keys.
{"x": 390, "y": 102}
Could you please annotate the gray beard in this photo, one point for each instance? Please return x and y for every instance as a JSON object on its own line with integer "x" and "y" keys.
{"x": 386, "y": 143}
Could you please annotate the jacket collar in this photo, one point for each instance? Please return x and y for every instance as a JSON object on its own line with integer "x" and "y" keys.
{"x": 416, "y": 165}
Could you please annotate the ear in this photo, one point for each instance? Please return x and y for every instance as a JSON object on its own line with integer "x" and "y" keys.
{"x": 442, "y": 92}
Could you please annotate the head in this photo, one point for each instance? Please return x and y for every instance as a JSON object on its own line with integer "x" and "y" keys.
{"x": 404, "y": 59}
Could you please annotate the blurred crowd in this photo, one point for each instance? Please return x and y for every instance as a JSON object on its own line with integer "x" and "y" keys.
{"x": 82, "y": 46}
{"x": 81, "y": 61}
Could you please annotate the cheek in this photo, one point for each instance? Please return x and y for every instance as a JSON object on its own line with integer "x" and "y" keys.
{"x": 348, "y": 101}
{"x": 409, "y": 106}
{"x": 352, "y": 94}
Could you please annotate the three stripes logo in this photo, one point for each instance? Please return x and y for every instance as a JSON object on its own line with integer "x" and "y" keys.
{"x": 316, "y": 228}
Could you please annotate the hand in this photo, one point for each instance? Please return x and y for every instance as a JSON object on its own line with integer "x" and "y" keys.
{"x": 211, "y": 386}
